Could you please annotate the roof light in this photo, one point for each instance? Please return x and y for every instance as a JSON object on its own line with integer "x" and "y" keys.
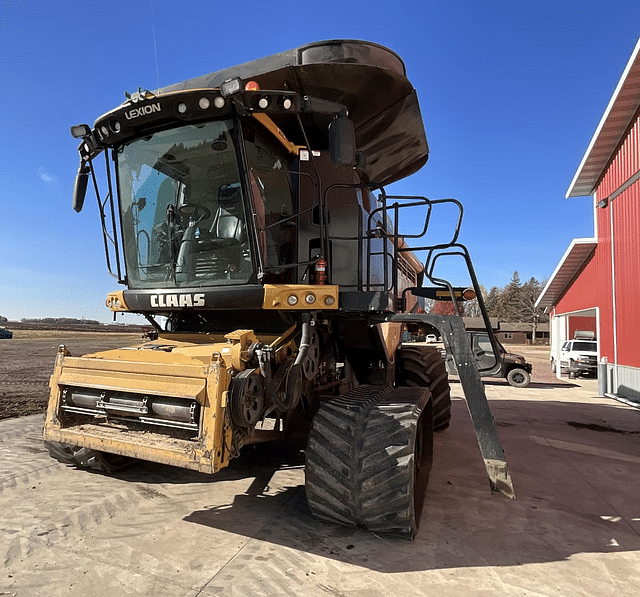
{"x": 182, "y": 108}
{"x": 263, "y": 103}
{"x": 252, "y": 86}
{"x": 231, "y": 86}
{"x": 219, "y": 102}
{"x": 204, "y": 103}
{"x": 115, "y": 126}
{"x": 80, "y": 130}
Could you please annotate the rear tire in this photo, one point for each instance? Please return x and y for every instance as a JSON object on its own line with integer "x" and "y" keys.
{"x": 368, "y": 459}
{"x": 88, "y": 458}
{"x": 425, "y": 367}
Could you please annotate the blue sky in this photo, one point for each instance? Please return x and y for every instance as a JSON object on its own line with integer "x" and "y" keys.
{"x": 510, "y": 92}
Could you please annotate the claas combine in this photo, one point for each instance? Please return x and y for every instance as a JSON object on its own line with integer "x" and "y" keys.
{"x": 245, "y": 215}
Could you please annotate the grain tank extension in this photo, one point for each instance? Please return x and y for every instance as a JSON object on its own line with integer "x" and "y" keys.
{"x": 245, "y": 215}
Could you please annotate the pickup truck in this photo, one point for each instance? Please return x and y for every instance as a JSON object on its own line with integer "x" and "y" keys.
{"x": 577, "y": 357}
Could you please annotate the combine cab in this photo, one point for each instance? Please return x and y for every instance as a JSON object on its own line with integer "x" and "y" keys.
{"x": 245, "y": 215}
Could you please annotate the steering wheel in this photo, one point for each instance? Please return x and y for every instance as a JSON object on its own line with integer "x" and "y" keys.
{"x": 196, "y": 213}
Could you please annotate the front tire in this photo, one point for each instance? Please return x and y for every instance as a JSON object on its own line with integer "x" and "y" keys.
{"x": 368, "y": 459}
{"x": 518, "y": 378}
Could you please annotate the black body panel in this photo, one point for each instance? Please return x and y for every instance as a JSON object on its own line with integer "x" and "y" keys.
{"x": 369, "y": 79}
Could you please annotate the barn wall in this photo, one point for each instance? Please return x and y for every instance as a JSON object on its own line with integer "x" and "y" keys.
{"x": 592, "y": 288}
{"x": 624, "y": 211}
{"x": 594, "y": 285}
{"x": 584, "y": 324}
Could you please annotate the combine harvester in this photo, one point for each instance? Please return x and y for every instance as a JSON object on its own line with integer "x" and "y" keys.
{"x": 246, "y": 216}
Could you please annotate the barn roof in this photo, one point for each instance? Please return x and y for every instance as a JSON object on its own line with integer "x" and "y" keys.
{"x": 570, "y": 265}
{"x": 614, "y": 122}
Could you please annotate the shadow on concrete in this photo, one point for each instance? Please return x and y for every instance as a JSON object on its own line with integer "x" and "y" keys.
{"x": 534, "y": 385}
{"x": 575, "y": 466}
{"x": 561, "y": 385}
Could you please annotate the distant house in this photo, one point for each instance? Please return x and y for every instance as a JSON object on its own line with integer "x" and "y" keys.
{"x": 510, "y": 333}
{"x": 523, "y": 333}
{"x": 596, "y": 285}
{"x": 541, "y": 334}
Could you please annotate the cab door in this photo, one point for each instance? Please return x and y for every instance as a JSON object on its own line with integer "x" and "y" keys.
{"x": 483, "y": 351}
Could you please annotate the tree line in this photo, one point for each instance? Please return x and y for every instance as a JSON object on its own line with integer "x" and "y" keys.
{"x": 61, "y": 321}
{"x": 515, "y": 303}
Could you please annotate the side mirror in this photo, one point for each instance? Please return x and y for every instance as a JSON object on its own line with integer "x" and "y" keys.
{"x": 80, "y": 187}
{"x": 342, "y": 142}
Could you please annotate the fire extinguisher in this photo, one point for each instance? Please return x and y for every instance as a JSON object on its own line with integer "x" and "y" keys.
{"x": 321, "y": 271}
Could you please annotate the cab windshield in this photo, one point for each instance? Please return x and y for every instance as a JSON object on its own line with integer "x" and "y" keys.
{"x": 182, "y": 209}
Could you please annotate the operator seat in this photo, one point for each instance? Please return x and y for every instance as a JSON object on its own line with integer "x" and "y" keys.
{"x": 227, "y": 227}
{"x": 224, "y": 252}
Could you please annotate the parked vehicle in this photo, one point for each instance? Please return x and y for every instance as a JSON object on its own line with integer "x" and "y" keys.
{"x": 577, "y": 357}
{"x": 5, "y": 334}
{"x": 511, "y": 366}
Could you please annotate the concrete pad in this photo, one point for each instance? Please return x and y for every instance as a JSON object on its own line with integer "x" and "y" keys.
{"x": 573, "y": 530}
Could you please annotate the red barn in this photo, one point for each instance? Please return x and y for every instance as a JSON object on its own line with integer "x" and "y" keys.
{"x": 596, "y": 285}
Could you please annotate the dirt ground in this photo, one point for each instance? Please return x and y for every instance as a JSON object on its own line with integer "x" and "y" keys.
{"x": 26, "y": 364}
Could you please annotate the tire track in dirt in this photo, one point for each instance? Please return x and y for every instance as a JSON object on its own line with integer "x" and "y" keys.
{"x": 57, "y": 513}
{"x": 45, "y": 503}
{"x": 252, "y": 573}
{"x": 48, "y": 507}
{"x": 22, "y": 454}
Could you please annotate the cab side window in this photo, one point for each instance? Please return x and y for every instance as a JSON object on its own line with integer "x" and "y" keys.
{"x": 273, "y": 199}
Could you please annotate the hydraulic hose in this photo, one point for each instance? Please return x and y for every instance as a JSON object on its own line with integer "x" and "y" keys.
{"x": 305, "y": 340}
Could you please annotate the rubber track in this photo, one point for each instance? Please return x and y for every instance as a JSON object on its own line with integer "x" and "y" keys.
{"x": 424, "y": 366}
{"x": 360, "y": 464}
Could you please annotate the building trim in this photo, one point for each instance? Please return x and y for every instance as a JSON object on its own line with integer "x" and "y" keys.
{"x": 572, "y": 261}
{"x": 613, "y": 125}
{"x": 613, "y": 299}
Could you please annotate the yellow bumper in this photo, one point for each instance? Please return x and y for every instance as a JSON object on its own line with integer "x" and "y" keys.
{"x": 198, "y": 375}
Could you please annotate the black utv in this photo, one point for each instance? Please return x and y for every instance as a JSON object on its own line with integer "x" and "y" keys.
{"x": 513, "y": 367}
